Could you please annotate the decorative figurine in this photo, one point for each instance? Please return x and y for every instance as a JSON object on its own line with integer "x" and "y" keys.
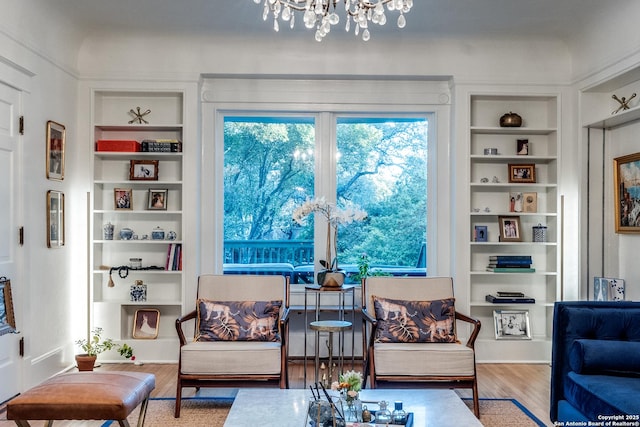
{"x": 138, "y": 116}
{"x": 624, "y": 103}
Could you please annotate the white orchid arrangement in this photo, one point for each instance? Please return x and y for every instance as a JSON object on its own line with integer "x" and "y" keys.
{"x": 334, "y": 216}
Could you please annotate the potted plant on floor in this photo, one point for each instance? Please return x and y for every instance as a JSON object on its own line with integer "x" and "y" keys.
{"x": 96, "y": 345}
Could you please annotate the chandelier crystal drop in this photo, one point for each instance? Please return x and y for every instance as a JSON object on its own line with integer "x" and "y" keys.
{"x": 321, "y": 15}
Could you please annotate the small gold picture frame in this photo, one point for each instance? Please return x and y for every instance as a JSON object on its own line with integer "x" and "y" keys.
{"x": 55, "y": 150}
{"x": 123, "y": 199}
{"x": 146, "y": 323}
{"x": 522, "y": 173}
{"x": 510, "y": 230}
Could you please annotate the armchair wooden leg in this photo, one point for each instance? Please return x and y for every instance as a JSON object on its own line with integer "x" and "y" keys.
{"x": 178, "y": 400}
{"x": 476, "y": 402}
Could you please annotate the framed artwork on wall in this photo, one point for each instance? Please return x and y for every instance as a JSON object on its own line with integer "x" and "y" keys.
{"x": 626, "y": 170}
{"x": 512, "y": 324}
{"x": 55, "y": 219}
{"x": 55, "y": 150}
{"x": 7, "y": 318}
{"x": 146, "y": 323}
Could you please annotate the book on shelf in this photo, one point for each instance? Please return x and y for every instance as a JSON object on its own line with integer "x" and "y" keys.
{"x": 510, "y": 258}
{"x": 511, "y": 269}
{"x": 174, "y": 257}
{"x": 167, "y": 145}
{"x": 509, "y": 265}
{"x": 496, "y": 299}
{"x": 509, "y": 294}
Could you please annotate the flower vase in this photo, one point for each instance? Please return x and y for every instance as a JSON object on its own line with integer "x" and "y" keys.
{"x": 353, "y": 409}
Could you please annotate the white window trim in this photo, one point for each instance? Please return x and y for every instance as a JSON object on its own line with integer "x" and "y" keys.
{"x": 324, "y": 98}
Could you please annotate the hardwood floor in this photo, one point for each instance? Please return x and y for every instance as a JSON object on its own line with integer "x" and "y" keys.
{"x": 528, "y": 383}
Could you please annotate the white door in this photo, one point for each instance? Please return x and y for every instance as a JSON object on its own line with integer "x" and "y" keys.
{"x": 10, "y": 360}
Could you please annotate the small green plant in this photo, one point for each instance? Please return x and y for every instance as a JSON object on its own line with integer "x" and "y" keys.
{"x": 96, "y": 345}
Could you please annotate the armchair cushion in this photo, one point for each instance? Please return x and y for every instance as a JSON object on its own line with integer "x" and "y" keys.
{"x": 402, "y": 321}
{"x": 237, "y": 320}
{"x": 605, "y": 357}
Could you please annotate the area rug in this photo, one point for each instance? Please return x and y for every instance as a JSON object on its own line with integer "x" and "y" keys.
{"x": 504, "y": 413}
{"x": 211, "y": 412}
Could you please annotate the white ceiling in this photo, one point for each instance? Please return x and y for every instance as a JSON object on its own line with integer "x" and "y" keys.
{"x": 428, "y": 18}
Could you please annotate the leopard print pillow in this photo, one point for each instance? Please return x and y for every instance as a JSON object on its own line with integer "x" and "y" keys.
{"x": 415, "y": 321}
{"x": 238, "y": 320}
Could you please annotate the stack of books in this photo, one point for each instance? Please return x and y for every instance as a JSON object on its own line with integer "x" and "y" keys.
{"x": 510, "y": 264}
{"x": 502, "y": 297}
{"x": 168, "y": 145}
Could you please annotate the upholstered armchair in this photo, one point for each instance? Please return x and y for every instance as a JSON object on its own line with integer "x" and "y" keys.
{"x": 410, "y": 334}
{"x": 240, "y": 334}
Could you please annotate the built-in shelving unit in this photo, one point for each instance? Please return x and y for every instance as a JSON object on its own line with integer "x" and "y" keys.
{"x": 111, "y": 306}
{"x": 489, "y": 197}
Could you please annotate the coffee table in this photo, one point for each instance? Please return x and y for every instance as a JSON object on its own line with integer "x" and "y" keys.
{"x": 288, "y": 407}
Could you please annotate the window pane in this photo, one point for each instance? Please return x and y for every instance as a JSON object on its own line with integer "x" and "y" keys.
{"x": 382, "y": 167}
{"x": 268, "y": 172}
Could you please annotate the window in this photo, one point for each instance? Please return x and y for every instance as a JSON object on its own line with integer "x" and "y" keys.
{"x": 382, "y": 167}
{"x": 269, "y": 164}
{"x": 269, "y": 143}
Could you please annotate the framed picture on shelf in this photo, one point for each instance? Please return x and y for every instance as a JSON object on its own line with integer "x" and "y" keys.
{"x": 516, "y": 203}
{"x": 146, "y": 323}
{"x": 530, "y": 202}
{"x": 627, "y": 193}
{"x": 522, "y": 147}
{"x": 158, "y": 199}
{"x": 55, "y": 219}
{"x": 7, "y": 318}
{"x": 608, "y": 289}
{"x": 512, "y": 324}
{"x": 480, "y": 233}
{"x": 510, "y": 230}
{"x": 522, "y": 173}
{"x": 123, "y": 199}
{"x": 55, "y": 150}
{"x": 143, "y": 170}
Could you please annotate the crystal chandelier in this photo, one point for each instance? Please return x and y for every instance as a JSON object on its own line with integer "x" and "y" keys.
{"x": 322, "y": 14}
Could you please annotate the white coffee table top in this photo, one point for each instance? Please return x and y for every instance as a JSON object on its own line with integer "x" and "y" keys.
{"x": 268, "y": 407}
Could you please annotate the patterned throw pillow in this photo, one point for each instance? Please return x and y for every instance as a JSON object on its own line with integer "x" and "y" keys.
{"x": 238, "y": 320}
{"x": 415, "y": 321}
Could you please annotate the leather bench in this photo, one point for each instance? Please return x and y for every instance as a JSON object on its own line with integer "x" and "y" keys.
{"x": 84, "y": 396}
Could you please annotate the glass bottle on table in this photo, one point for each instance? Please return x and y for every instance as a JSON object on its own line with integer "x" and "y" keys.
{"x": 383, "y": 415}
{"x": 399, "y": 416}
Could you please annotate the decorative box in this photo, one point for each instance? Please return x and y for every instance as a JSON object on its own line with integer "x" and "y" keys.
{"x": 118, "y": 145}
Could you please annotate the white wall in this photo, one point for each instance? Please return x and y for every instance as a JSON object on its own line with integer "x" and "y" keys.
{"x": 50, "y": 302}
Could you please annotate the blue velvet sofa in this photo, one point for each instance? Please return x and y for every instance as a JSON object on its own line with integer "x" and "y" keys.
{"x": 595, "y": 370}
